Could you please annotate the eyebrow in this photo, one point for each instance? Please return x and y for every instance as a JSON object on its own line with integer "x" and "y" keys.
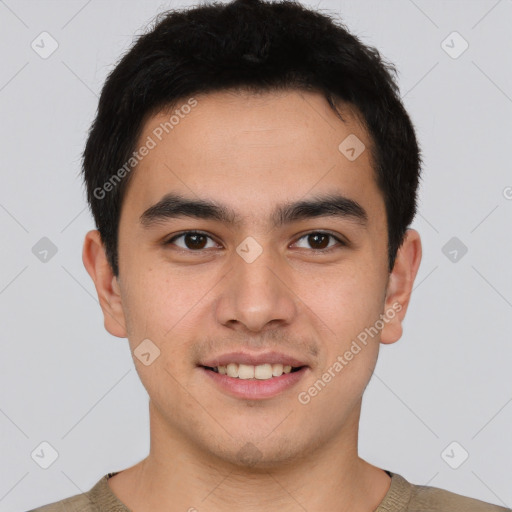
{"x": 172, "y": 206}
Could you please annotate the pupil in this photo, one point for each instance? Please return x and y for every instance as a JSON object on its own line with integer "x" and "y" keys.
{"x": 313, "y": 240}
{"x": 195, "y": 244}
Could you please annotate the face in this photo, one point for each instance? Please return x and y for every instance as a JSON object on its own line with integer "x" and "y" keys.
{"x": 249, "y": 242}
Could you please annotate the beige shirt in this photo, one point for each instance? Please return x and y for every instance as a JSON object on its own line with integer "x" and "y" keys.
{"x": 402, "y": 496}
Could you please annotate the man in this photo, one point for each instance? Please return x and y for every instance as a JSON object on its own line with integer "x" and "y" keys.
{"x": 252, "y": 173}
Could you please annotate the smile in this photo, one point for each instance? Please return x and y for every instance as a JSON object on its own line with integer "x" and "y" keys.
{"x": 254, "y": 382}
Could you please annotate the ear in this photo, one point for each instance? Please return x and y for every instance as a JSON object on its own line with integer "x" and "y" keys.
{"x": 400, "y": 285}
{"x": 95, "y": 261}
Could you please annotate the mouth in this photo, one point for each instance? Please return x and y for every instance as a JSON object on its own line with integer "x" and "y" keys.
{"x": 258, "y": 381}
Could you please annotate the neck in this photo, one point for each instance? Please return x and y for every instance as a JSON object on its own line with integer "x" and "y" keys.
{"x": 177, "y": 476}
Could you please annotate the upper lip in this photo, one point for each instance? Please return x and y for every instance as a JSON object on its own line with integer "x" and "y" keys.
{"x": 252, "y": 359}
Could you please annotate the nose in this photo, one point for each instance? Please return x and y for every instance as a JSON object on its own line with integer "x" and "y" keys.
{"x": 256, "y": 294}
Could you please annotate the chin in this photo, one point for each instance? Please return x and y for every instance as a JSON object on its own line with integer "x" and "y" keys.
{"x": 263, "y": 455}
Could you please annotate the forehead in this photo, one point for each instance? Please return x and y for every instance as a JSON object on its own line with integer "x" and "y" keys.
{"x": 252, "y": 151}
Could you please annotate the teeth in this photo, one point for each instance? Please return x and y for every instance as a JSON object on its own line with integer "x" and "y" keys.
{"x": 245, "y": 371}
{"x": 232, "y": 370}
{"x": 260, "y": 372}
{"x": 263, "y": 371}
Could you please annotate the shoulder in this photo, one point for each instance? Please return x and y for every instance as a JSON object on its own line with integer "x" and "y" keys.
{"x": 90, "y": 501}
{"x": 78, "y": 503}
{"x": 433, "y": 499}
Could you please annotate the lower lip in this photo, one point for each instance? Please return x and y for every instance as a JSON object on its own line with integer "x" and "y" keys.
{"x": 256, "y": 389}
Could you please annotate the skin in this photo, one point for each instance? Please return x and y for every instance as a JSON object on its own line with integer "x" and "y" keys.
{"x": 251, "y": 153}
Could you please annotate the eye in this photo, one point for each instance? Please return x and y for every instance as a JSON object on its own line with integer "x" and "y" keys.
{"x": 319, "y": 240}
{"x": 197, "y": 241}
{"x": 192, "y": 240}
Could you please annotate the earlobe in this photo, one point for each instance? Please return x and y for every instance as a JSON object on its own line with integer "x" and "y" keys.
{"x": 106, "y": 284}
{"x": 400, "y": 284}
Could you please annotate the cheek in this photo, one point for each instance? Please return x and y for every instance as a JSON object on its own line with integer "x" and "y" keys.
{"x": 161, "y": 303}
{"x": 347, "y": 300}
{"x": 350, "y": 351}
{"x": 353, "y": 303}
{"x": 162, "y": 310}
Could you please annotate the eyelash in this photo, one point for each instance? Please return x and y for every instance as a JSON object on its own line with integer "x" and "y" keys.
{"x": 322, "y": 251}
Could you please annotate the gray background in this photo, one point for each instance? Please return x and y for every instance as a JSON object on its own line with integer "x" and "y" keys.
{"x": 66, "y": 381}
